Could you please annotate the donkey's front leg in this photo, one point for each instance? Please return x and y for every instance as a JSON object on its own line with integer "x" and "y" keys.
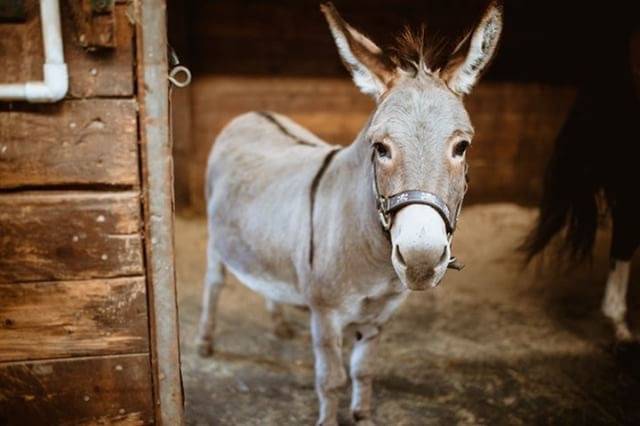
{"x": 326, "y": 330}
{"x": 362, "y": 357}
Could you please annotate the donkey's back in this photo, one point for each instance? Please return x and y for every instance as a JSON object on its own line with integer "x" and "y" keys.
{"x": 260, "y": 170}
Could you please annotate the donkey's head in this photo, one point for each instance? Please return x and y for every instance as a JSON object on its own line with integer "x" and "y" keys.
{"x": 419, "y": 134}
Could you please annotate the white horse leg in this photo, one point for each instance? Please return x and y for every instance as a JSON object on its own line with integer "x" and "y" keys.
{"x": 362, "y": 356}
{"x": 281, "y": 328}
{"x": 330, "y": 373}
{"x": 614, "y": 304}
{"x": 213, "y": 283}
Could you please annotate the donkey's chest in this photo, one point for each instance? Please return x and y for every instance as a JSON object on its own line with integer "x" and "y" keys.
{"x": 374, "y": 307}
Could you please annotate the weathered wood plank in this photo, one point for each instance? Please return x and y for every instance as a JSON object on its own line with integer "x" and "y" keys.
{"x": 107, "y": 72}
{"x": 64, "y": 319}
{"x": 83, "y": 142}
{"x": 100, "y": 73}
{"x": 113, "y": 390}
{"x": 69, "y": 236}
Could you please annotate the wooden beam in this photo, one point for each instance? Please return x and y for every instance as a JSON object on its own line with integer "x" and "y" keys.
{"x": 157, "y": 180}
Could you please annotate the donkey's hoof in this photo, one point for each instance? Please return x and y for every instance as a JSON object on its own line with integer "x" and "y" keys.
{"x": 204, "y": 347}
{"x": 362, "y": 419}
{"x": 283, "y": 330}
{"x": 327, "y": 423}
{"x": 624, "y": 335}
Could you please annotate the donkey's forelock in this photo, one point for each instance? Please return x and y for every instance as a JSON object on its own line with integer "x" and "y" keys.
{"x": 417, "y": 50}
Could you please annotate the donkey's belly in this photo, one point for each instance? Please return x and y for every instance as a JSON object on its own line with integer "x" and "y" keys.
{"x": 268, "y": 287}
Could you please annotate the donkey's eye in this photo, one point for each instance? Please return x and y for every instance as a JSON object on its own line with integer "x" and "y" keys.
{"x": 460, "y": 148}
{"x": 382, "y": 150}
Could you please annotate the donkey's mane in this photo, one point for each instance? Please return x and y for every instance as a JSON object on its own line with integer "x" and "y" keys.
{"x": 416, "y": 50}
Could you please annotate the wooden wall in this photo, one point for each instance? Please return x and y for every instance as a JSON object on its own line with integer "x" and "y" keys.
{"x": 74, "y": 314}
{"x": 253, "y": 55}
{"x": 515, "y": 124}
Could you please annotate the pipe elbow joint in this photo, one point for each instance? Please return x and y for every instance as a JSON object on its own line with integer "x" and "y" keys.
{"x": 53, "y": 88}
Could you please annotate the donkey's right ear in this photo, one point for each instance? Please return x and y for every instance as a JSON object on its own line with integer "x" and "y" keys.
{"x": 371, "y": 70}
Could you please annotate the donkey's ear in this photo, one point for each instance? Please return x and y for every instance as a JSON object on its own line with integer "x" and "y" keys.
{"x": 475, "y": 52}
{"x": 371, "y": 70}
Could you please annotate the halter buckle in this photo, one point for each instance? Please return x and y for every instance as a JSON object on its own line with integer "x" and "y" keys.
{"x": 385, "y": 220}
{"x": 383, "y": 212}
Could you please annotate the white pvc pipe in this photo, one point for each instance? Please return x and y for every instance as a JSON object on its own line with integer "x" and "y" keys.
{"x": 56, "y": 78}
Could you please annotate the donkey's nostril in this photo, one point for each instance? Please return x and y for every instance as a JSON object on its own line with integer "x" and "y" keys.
{"x": 400, "y": 257}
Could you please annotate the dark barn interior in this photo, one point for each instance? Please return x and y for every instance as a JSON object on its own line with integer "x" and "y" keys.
{"x": 499, "y": 342}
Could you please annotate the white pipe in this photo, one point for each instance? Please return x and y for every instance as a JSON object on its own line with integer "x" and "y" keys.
{"x": 56, "y": 78}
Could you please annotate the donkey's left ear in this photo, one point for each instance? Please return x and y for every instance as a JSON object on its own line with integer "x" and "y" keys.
{"x": 371, "y": 69}
{"x": 474, "y": 54}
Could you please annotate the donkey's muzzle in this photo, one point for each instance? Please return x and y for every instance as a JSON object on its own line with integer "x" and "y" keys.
{"x": 420, "y": 247}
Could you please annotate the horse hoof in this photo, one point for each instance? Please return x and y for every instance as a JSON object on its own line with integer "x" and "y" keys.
{"x": 284, "y": 331}
{"x": 624, "y": 335}
{"x": 205, "y": 348}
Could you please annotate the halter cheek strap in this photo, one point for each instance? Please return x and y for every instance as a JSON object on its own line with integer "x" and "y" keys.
{"x": 387, "y": 206}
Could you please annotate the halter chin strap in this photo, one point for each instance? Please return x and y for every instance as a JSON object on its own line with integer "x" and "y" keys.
{"x": 387, "y": 206}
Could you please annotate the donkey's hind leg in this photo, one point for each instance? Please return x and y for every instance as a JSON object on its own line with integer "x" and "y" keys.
{"x": 281, "y": 328}
{"x": 213, "y": 283}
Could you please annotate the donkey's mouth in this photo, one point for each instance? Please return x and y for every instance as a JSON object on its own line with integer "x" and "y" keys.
{"x": 419, "y": 277}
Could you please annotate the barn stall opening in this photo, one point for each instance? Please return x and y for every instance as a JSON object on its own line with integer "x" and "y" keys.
{"x": 88, "y": 333}
{"x": 88, "y": 315}
{"x": 497, "y": 342}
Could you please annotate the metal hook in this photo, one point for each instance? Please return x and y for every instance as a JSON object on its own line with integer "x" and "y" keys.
{"x": 175, "y": 72}
{"x": 177, "y": 69}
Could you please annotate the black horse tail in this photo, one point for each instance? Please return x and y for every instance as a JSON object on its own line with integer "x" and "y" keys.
{"x": 569, "y": 203}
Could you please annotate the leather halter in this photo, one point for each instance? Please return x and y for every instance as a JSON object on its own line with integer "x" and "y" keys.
{"x": 388, "y": 205}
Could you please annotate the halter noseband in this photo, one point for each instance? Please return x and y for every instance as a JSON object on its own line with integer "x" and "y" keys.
{"x": 387, "y": 206}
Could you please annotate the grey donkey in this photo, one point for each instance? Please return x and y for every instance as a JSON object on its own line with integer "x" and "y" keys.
{"x": 348, "y": 233}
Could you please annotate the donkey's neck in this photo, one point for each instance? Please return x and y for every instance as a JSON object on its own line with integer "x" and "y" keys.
{"x": 347, "y": 217}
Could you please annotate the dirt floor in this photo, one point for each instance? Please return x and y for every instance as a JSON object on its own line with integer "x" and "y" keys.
{"x": 494, "y": 344}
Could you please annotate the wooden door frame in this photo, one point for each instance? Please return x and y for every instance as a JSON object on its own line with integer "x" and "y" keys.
{"x": 158, "y": 202}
